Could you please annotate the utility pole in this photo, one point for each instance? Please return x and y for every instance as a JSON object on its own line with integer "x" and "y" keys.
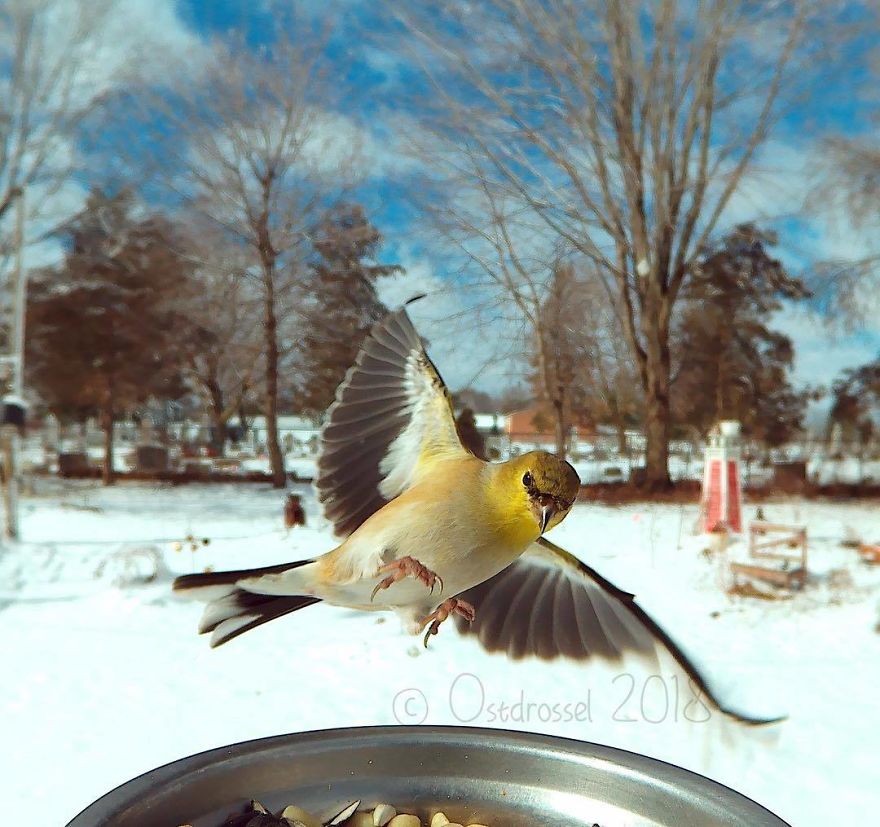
{"x": 10, "y": 438}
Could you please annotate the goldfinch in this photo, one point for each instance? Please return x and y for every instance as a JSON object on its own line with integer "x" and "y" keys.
{"x": 430, "y": 531}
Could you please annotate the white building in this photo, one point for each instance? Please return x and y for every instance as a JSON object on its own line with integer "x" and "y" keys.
{"x": 295, "y": 433}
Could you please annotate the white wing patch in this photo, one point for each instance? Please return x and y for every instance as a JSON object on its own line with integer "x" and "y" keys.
{"x": 391, "y": 412}
{"x": 399, "y": 466}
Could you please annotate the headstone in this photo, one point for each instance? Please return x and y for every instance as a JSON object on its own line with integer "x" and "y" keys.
{"x": 151, "y": 458}
{"x": 72, "y": 463}
{"x": 790, "y": 476}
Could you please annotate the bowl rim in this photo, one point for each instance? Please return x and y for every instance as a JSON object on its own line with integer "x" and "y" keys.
{"x": 659, "y": 770}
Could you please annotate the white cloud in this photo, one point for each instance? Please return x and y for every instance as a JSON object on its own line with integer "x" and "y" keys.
{"x": 390, "y": 64}
{"x": 377, "y": 149}
{"x": 109, "y": 44}
{"x": 781, "y": 184}
{"x": 110, "y": 41}
{"x": 821, "y": 356}
{"x": 775, "y": 185}
{"x": 382, "y": 148}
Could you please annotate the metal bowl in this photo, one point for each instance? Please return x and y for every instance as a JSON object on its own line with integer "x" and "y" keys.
{"x": 487, "y": 776}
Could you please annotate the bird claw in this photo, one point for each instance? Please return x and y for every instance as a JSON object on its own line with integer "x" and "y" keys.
{"x": 382, "y": 584}
{"x": 452, "y": 606}
{"x": 432, "y": 630}
{"x": 406, "y": 567}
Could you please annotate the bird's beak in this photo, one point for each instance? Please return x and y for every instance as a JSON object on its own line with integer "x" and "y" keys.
{"x": 548, "y": 510}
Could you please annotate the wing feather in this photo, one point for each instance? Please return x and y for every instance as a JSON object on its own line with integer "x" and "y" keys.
{"x": 494, "y": 612}
{"x": 392, "y": 417}
{"x": 516, "y": 626}
{"x": 541, "y": 615}
{"x": 549, "y": 604}
{"x": 566, "y": 639}
{"x": 593, "y": 635}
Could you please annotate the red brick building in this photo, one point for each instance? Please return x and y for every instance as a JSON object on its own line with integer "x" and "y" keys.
{"x": 535, "y": 425}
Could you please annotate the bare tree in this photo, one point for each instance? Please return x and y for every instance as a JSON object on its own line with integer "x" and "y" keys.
{"x": 623, "y": 128}
{"x": 224, "y": 345}
{"x": 525, "y": 283}
{"x": 45, "y": 95}
{"x": 607, "y": 376}
{"x": 255, "y": 151}
{"x": 583, "y": 371}
{"x": 572, "y": 331}
{"x": 557, "y": 349}
{"x": 847, "y": 198}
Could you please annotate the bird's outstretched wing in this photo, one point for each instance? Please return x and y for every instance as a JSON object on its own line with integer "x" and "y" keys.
{"x": 392, "y": 418}
{"x": 549, "y": 604}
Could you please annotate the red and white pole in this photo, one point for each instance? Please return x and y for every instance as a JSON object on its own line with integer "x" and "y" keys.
{"x": 721, "y": 501}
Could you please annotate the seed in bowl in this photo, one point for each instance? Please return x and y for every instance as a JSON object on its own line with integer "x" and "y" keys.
{"x": 382, "y": 815}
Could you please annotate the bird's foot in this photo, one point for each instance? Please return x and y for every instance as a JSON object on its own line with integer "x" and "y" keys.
{"x": 406, "y": 567}
{"x": 454, "y": 605}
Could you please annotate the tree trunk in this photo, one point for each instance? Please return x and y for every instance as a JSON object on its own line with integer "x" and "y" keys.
{"x": 276, "y": 458}
{"x": 657, "y": 413}
{"x": 560, "y": 429}
{"x": 721, "y": 373}
{"x": 622, "y": 448}
{"x": 243, "y": 422}
{"x": 217, "y": 412}
{"x": 107, "y": 423}
{"x": 619, "y": 421}
{"x": 268, "y": 257}
{"x": 218, "y": 434}
{"x": 555, "y": 395}
{"x": 657, "y": 449}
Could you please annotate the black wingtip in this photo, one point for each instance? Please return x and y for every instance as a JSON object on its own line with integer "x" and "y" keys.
{"x": 754, "y": 722}
{"x": 420, "y": 296}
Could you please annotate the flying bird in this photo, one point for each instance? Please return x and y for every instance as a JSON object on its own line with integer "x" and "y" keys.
{"x": 429, "y": 531}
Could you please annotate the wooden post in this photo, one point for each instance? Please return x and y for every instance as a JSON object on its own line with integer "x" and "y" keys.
{"x": 10, "y": 437}
{"x": 8, "y": 440}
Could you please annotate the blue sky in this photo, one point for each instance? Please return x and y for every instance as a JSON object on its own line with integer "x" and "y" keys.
{"x": 378, "y": 88}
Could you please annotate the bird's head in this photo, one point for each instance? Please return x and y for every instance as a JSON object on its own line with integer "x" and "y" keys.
{"x": 547, "y": 484}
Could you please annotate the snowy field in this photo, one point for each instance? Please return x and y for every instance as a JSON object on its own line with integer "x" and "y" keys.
{"x": 105, "y": 677}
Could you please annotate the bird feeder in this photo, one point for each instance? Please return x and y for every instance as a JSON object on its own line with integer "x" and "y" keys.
{"x": 721, "y": 501}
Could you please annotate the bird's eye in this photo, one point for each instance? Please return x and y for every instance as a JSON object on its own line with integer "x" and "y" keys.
{"x": 528, "y": 481}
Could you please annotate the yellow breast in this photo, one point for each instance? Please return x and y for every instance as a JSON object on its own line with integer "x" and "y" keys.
{"x": 506, "y": 509}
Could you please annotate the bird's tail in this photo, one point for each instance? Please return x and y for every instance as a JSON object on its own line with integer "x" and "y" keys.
{"x": 231, "y": 610}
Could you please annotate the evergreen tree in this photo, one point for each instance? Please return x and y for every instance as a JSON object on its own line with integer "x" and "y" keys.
{"x": 103, "y": 332}
{"x": 343, "y": 302}
{"x": 856, "y": 401}
{"x": 733, "y": 365}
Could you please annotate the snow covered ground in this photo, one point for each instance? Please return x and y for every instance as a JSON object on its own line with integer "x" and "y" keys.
{"x": 105, "y": 677}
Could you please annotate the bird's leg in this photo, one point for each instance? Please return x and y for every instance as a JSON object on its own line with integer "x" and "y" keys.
{"x": 406, "y": 567}
{"x": 454, "y": 605}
